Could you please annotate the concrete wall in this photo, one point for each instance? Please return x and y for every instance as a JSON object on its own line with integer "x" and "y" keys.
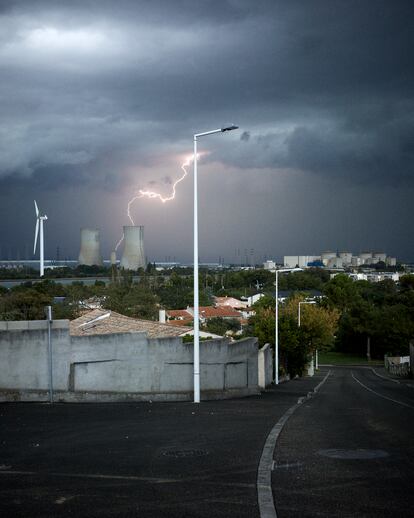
{"x": 265, "y": 365}
{"x": 119, "y": 366}
{"x": 23, "y": 352}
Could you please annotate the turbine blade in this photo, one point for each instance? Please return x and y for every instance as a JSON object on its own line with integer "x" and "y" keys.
{"x": 36, "y": 233}
{"x": 36, "y": 208}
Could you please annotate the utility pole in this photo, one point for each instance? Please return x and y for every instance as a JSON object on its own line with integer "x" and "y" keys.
{"x": 48, "y": 311}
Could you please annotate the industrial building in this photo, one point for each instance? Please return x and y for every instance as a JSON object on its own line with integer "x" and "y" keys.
{"x": 342, "y": 259}
{"x": 300, "y": 261}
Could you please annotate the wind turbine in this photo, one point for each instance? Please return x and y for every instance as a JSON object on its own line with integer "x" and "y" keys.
{"x": 39, "y": 223}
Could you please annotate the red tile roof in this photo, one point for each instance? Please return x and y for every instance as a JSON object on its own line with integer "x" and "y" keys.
{"x": 178, "y": 313}
{"x": 223, "y": 312}
{"x": 205, "y": 312}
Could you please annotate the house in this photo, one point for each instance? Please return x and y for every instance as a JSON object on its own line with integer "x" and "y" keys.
{"x": 102, "y": 322}
{"x": 180, "y": 317}
{"x": 252, "y": 299}
{"x": 205, "y": 312}
{"x": 248, "y": 312}
{"x": 209, "y": 312}
{"x": 230, "y": 301}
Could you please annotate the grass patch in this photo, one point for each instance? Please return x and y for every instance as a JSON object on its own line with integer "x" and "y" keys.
{"x": 335, "y": 358}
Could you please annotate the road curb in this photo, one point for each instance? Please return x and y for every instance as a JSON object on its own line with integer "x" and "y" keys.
{"x": 264, "y": 473}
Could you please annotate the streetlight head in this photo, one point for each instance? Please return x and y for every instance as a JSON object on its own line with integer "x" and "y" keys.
{"x": 229, "y": 128}
{"x": 289, "y": 270}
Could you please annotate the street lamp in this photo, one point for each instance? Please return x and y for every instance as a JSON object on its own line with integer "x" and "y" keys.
{"x": 196, "y": 297}
{"x": 284, "y": 270}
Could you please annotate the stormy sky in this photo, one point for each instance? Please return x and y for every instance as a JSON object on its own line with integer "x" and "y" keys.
{"x": 100, "y": 99}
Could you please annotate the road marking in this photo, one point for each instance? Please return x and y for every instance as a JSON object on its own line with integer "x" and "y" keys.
{"x": 287, "y": 465}
{"x": 384, "y": 377}
{"x": 153, "y": 480}
{"x": 264, "y": 473}
{"x": 381, "y": 395}
{"x": 91, "y": 475}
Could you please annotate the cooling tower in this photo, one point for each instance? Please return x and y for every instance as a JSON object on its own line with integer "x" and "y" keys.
{"x": 90, "y": 249}
{"x": 113, "y": 258}
{"x": 133, "y": 256}
{"x": 327, "y": 256}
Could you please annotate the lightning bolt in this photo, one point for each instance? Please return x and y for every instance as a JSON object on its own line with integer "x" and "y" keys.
{"x": 156, "y": 195}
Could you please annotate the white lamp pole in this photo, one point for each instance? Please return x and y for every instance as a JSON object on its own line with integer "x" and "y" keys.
{"x": 196, "y": 297}
{"x": 284, "y": 270}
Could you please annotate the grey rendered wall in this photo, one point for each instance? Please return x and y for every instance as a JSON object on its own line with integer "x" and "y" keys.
{"x": 23, "y": 352}
{"x": 265, "y": 366}
{"x": 165, "y": 365}
{"x": 127, "y": 363}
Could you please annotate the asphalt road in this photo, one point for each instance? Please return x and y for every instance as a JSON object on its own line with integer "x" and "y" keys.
{"x": 186, "y": 460}
{"x": 139, "y": 459}
{"x": 349, "y": 451}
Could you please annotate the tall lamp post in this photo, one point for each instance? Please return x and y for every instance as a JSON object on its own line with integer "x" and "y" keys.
{"x": 196, "y": 297}
{"x": 283, "y": 270}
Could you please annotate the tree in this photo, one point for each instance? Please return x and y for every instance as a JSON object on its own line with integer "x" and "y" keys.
{"x": 135, "y": 301}
{"x": 407, "y": 283}
{"x": 294, "y": 351}
{"x": 178, "y": 293}
{"x": 380, "y": 320}
{"x": 263, "y": 325}
{"x": 317, "y": 330}
{"x": 219, "y": 325}
{"x": 341, "y": 292}
{"x": 318, "y": 323}
{"x": 24, "y": 305}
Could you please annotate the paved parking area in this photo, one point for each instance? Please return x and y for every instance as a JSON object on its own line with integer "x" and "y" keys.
{"x": 138, "y": 459}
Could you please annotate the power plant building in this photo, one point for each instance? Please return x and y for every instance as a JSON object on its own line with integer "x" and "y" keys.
{"x": 346, "y": 258}
{"x": 327, "y": 256}
{"x": 342, "y": 259}
{"x": 90, "y": 248}
{"x": 301, "y": 261}
{"x": 133, "y": 257}
{"x": 366, "y": 257}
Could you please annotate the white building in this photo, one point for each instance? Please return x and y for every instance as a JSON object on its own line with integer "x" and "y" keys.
{"x": 301, "y": 261}
{"x": 334, "y": 262}
{"x": 327, "y": 256}
{"x": 366, "y": 257}
{"x": 346, "y": 258}
{"x": 391, "y": 261}
{"x": 269, "y": 265}
{"x": 253, "y": 299}
{"x": 372, "y": 276}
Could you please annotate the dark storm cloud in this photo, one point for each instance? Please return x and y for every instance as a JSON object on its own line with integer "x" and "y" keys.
{"x": 108, "y": 94}
{"x": 349, "y": 151}
{"x": 82, "y": 80}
